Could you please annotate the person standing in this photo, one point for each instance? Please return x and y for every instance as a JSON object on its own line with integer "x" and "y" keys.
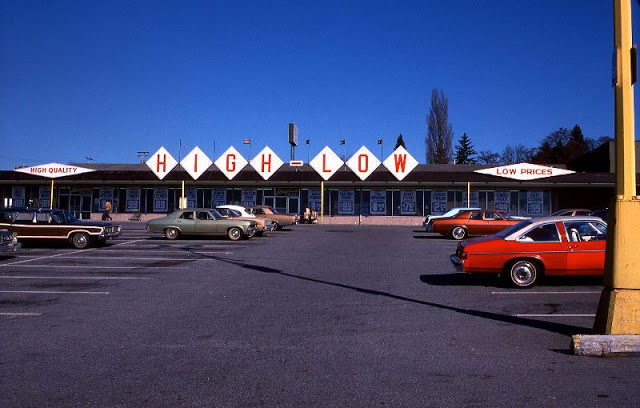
{"x": 107, "y": 211}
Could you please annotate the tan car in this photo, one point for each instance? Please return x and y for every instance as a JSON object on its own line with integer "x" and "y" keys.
{"x": 240, "y": 213}
{"x": 279, "y": 220}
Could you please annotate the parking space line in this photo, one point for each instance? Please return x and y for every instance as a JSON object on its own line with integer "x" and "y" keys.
{"x": 51, "y": 292}
{"x": 20, "y": 314}
{"x": 100, "y": 267}
{"x": 555, "y": 315}
{"x": 74, "y": 277}
{"x": 584, "y": 292}
{"x": 135, "y": 258}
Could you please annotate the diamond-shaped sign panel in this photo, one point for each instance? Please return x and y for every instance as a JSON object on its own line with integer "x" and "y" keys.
{"x": 161, "y": 163}
{"x": 400, "y": 163}
{"x": 525, "y": 171}
{"x": 231, "y": 162}
{"x": 196, "y": 163}
{"x": 53, "y": 170}
{"x": 266, "y": 163}
{"x": 326, "y": 163}
{"x": 363, "y": 163}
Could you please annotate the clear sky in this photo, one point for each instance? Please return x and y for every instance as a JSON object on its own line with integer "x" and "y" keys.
{"x": 106, "y": 79}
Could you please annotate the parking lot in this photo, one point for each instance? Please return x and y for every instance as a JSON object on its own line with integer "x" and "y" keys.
{"x": 315, "y": 315}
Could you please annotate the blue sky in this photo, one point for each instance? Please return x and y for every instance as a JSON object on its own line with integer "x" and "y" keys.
{"x": 107, "y": 79}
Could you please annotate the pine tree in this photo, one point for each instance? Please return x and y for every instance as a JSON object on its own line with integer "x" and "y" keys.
{"x": 399, "y": 142}
{"x": 465, "y": 151}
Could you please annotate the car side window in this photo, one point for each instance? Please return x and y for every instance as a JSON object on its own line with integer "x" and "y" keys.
{"x": 259, "y": 211}
{"x": 476, "y": 216}
{"x": 542, "y": 233}
{"x": 187, "y": 215}
{"x": 585, "y": 231}
{"x": 203, "y": 215}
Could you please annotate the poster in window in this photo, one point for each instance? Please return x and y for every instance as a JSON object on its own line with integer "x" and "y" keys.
{"x": 218, "y": 197}
{"x": 502, "y": 201}
{"x": 438, "y": 202}
{"x": 106, "y": 194}
{"x": 408, "y": 202}
{"x": 474, "y": 202}
{"x": 18, "y": 196}
{"x": 45, "y": 197}
{"x": 248, "y": 198}
{"x": 191, "y": 195}
{"x": 534, "y": 203}
{"x": 346, "y": 202}
{"x": 133, "y": 199}
{"x": 378, "y": 202}
{"x": 314, "y": 200}
{"x": 160, "y": 199}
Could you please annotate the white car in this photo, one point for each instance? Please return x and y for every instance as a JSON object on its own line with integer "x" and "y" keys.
{"x": 243, "y": 213}
{"x": 428, "y": 222}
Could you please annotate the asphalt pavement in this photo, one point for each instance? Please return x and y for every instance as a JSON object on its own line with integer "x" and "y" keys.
{"x": 312, "y": 316}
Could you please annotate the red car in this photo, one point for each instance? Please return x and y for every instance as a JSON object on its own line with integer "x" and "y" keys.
{"x": 553, "y": 246}
{"x": 473, "y": 222}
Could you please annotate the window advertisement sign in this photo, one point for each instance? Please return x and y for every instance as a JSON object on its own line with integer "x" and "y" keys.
{"x": 346, "y": 202}
{"x": 106, "y": 194}
{"x": 535, "y": 203}
{"x": 438, "y": 202}
{"x": 314, "y": 200}
{"x": 474, "y": 202}
{"x": 18, "y": 196}
{"x": 133, "y": 199}
{"x": 218, "y": 197}
{"x": 378, "y": 202}
{"x": 160, "y": 199}
{"x": 408, "y": 202}
{"x": 248, "y": 198}
{"x": 502, "y": 201}
{"x": 44, "y": 197}
{"x": 191, "y": 195}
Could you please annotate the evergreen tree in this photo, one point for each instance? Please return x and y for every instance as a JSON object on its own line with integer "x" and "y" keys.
{"x": 465, "y": 150}
{"x": 399, "y": 142}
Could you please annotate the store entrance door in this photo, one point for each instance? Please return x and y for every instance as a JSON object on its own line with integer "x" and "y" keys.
{"x": 285, "y": 200}
{"x": 80, "y": 206}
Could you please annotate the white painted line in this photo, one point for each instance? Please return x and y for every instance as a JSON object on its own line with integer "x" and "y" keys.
{"x": 100, "y": 267}
{"x": 20, "y": 314}
{"x": 555, "y": 315}
{"x": 135, "y": 258}
{"x": 586, "y": 292}
{"x": 52, "y": 292}
{"x": 74, "y": 277}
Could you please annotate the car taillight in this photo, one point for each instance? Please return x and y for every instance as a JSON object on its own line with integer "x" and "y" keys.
{"x": 462, "y": 255}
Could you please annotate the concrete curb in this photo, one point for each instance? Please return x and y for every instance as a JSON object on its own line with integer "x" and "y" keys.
{"x": 605, "y": 345}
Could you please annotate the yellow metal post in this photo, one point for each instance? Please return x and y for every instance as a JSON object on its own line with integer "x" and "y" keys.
{"x": 468, "y": 194}
{"x": 51, "y": 196}
{"x": 182, "y": 206}
{"x": 322, "y": 202}
{"x": 619, "y": 309}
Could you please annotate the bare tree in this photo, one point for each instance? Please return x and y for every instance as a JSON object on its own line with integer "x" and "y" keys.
{"x": 440, "y": 131}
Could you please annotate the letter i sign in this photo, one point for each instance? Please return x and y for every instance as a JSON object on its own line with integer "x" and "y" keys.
{"x": 196, "y": 163}
{"x": 161, "y": 163}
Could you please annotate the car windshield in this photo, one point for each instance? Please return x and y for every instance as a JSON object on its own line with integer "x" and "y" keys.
{"x": 508, "y": 231}
{"x": 61, "y": 216}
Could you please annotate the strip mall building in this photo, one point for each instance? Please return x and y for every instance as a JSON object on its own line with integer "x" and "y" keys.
{"x": 363, "y": 189}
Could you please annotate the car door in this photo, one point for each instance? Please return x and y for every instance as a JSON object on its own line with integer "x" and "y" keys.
{"x": 546, "y": 243}
{"x": 475, "y": 223}
{"x": 494, "y": 222}
{"x": 585, "y": 247}
{"x": 206, "y": 224}
{"x": 185, "y": 222}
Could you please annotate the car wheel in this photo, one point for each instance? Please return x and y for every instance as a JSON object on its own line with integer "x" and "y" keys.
{"x": 80, "y": 240}
{"x": 458, "y": 233}
{"x": 524, "y": 274}
{"x": 234, "y": 233}
{"x": 275, "y": 226}
{"x": 172, "y": 233}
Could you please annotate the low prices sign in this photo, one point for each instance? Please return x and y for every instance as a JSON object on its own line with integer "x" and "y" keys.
{"x": 525, "y": 171}
{"x": 53, "y": 170}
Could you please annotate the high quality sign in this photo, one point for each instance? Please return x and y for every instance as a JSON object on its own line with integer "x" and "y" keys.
{"x": 53, "y": 170}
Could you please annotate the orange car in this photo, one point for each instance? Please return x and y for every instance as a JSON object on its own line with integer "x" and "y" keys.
{"x": 473, "y": 222}
{"x": 521, "y": 254}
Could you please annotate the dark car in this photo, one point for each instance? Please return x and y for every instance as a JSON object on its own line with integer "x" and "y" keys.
{"x": 8, "y": 241}
{"x": 37, "y": 224}
{"x": 571, "y": 212}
